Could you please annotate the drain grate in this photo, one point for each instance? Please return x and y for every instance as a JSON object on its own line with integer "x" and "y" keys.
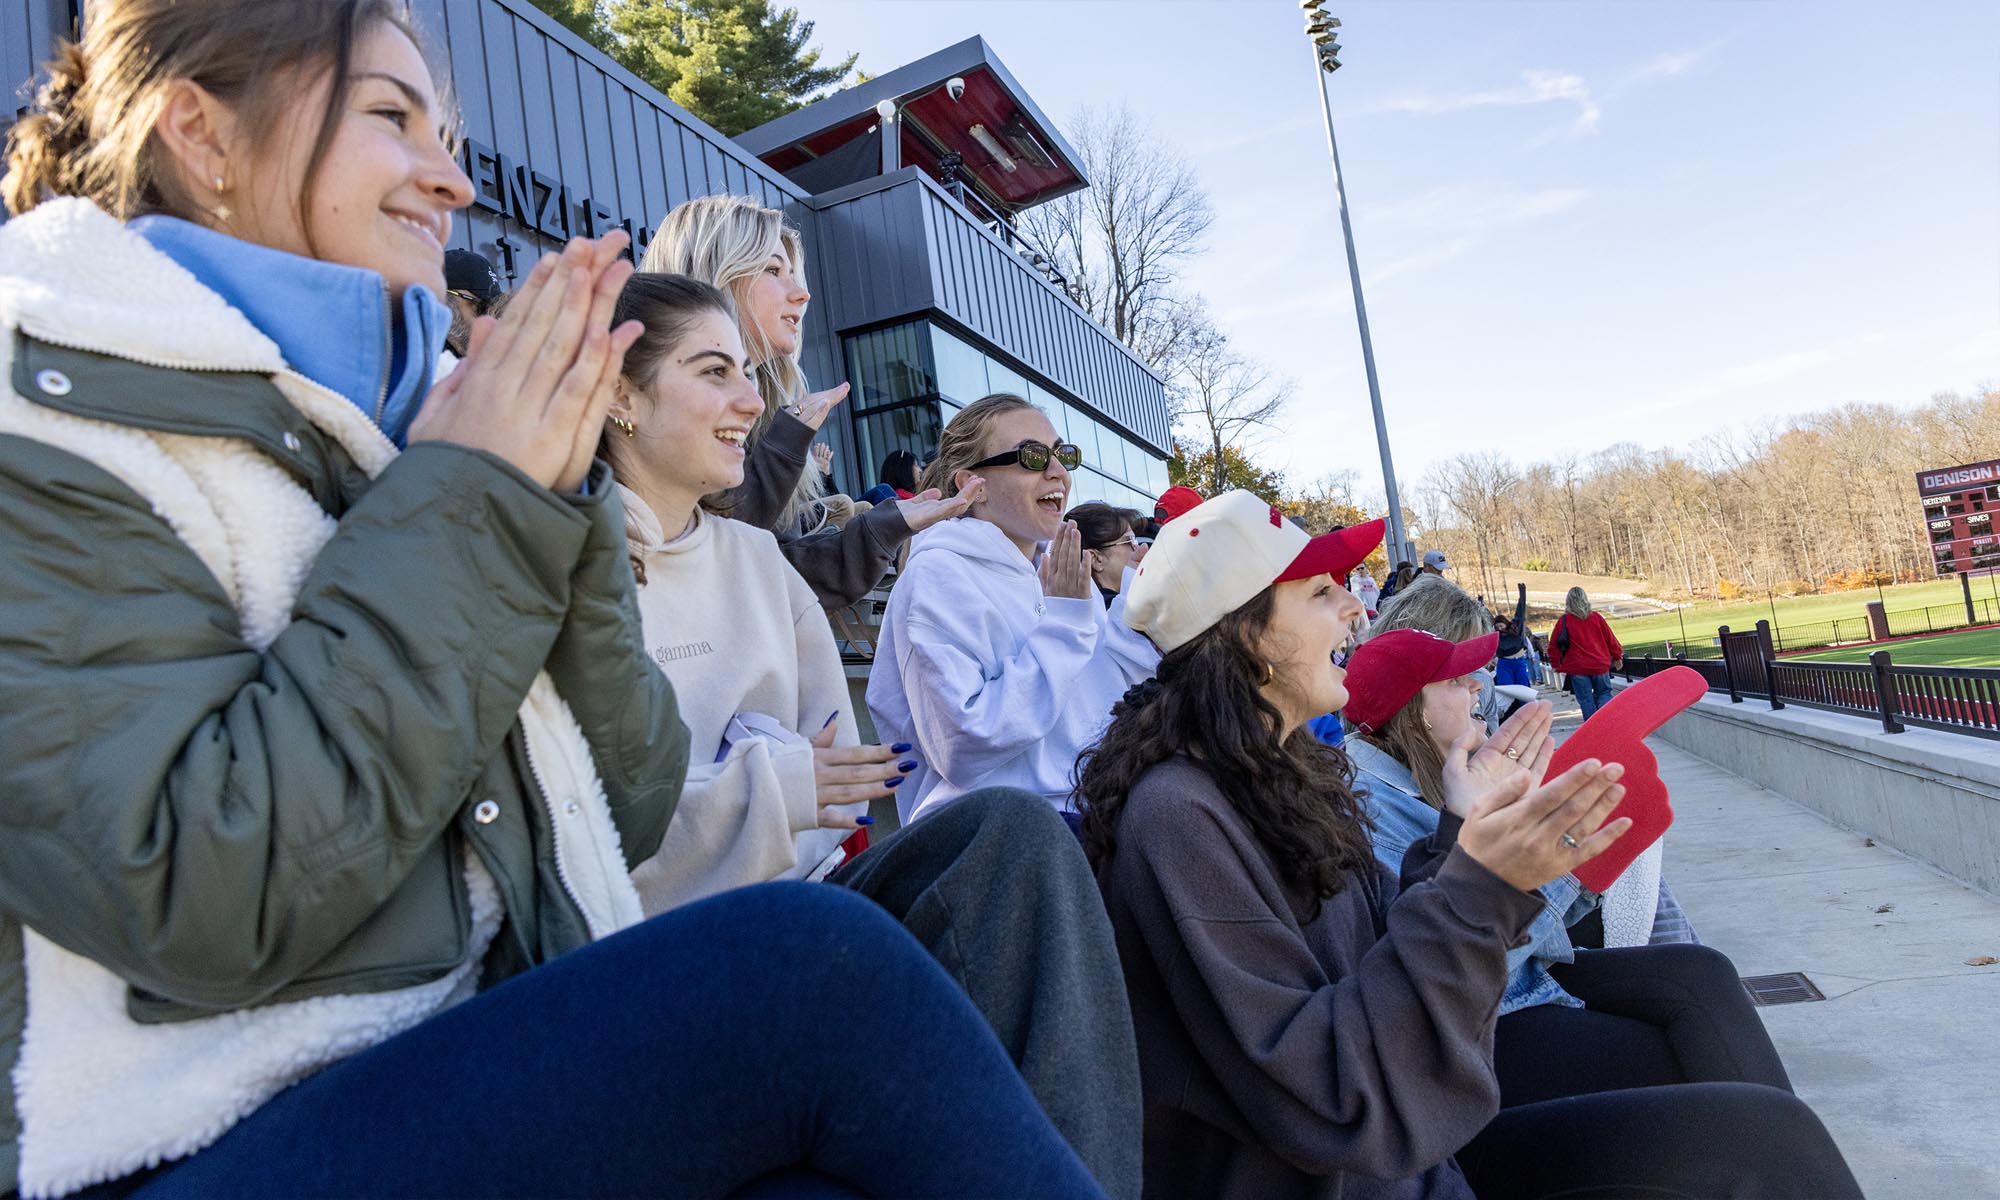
{"x": 1790, "y": 988}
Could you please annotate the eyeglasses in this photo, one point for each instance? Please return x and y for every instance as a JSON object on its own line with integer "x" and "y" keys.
{"x": 1033, "y": 456}
{"x": 1127, "y": 540}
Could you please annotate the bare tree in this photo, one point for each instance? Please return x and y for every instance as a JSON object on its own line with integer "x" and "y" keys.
{"x": 1120, "y": 244}
{"x": 1220, "y": 397}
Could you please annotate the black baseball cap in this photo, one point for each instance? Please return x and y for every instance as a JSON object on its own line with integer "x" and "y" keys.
{"x": 469, "y": 272}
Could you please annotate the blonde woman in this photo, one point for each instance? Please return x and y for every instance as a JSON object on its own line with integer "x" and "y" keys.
{"x": 997, "y": 659}
{"x": 1583, "y": 647}
{"x": 756, "y": 259}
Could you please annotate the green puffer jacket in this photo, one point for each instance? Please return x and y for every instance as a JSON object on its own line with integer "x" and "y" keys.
{"x": 231, "y": 812}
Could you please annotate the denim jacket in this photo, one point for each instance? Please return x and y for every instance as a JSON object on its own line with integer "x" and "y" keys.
{"x": 1401, "y": 817}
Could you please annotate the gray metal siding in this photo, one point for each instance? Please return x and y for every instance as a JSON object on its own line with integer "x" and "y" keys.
{"x": 537, "y": 94}
{"x": 29, "y": 30}
{"x": 902, "y": 247}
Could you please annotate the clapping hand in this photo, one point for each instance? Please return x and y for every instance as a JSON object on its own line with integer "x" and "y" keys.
{"x": 1064, "y": 574}
{"x": 536, "y": 384}
{"x": 1514, "y": 759}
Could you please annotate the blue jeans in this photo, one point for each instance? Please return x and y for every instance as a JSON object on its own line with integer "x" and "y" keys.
{"x": 727, "y": 1045}
{"x": 1591, "y": 692}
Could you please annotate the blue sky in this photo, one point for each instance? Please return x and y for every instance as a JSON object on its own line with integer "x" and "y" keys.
{"x": 1578, "y": 222}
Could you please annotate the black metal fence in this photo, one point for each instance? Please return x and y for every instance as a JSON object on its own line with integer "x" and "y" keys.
{"x": 1955, "y": 699}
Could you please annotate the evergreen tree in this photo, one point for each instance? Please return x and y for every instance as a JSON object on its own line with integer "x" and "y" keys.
{"x": 734, "y": 63}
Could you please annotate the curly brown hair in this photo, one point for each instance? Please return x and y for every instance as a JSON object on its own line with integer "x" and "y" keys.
{"x": 1207, "y": 701}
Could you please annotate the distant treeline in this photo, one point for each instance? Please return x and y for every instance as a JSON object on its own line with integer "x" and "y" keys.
{"x": 1818, "y": 502}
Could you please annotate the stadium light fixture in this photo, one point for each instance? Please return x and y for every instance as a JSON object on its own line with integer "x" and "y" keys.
{"x": 1320, "y": 26}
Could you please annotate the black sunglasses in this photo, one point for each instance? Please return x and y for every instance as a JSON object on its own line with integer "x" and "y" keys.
{"x": 1034, "y": 456}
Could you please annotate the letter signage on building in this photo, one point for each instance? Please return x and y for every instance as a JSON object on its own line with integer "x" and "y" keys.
{"x": 541, "y": 204}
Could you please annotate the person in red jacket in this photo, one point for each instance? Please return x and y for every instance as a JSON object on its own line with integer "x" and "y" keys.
{"x": 1583, "y": 647}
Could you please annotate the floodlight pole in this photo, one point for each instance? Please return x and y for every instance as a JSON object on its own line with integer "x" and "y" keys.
{"x": 1319, "y": 31}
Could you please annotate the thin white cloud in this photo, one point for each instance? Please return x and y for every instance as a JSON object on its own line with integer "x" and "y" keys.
{"x": 1537, "y": 87}
{"x": 1421, "y": 260}
{"x": 1666, "y": 66}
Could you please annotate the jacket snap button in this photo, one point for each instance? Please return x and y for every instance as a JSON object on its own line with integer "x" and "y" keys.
{"x": 53, "y": 383}
{"x": 291, "y": 441}
{"x": 572, "y": 808}
{"x": 487, "y": 812}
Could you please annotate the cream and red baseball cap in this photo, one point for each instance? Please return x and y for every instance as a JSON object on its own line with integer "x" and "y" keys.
{"x": 1216, "y": 557}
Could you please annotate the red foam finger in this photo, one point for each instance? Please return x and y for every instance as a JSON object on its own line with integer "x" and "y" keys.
{"x": 1617, "y": 733}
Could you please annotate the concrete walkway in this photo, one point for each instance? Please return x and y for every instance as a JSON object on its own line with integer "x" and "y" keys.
{"x": 1902, "y": 1059}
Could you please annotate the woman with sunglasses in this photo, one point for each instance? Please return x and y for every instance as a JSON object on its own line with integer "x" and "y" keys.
{"x": 996, "y": 658}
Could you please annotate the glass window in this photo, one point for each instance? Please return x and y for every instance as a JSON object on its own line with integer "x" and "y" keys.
{"x": 915, "y": 428}
{"x": 1114, "y": 455}
{"x": 889, "y": 366}
{"x": 1002, "y": 378}
{"x": 1083, "y": 431}
{"x": 1055, "y": 410}
{"x": 961, "y": 370}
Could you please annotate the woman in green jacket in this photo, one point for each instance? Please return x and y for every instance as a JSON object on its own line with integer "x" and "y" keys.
{"x": 320, "y": 708}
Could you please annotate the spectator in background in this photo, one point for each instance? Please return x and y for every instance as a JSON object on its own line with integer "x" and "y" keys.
{"x": 1512, "y": 669}
{"x": 1434, "y": 563}
{"x": 1107, "y": 544}
{"x": 1175, "y": 501}
{"x": 996, "y": 658}
{"x": 471, "y": 286}
{"x": 896, "y": 481}
{"x": 1583, "y": 647}
{"x": 751, "y": 253}
{"x": 1362, "y": 584}
{"x": 1397, "y": 582}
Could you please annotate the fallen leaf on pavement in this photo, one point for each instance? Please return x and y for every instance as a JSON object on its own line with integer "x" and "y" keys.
{"x": 1867, "y": 841}
{"x": 1984, "y": 960}
{"x": 1882, "y": 908}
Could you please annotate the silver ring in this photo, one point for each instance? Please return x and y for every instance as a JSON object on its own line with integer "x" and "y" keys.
{"x": 1569, "y": 843}
{"x": 1515, "y": 753}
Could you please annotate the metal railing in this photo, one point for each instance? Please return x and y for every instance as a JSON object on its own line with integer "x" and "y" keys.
{"x": 1953, "y": 699}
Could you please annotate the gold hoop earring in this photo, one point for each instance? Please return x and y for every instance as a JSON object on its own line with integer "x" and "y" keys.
{"x": 625, "y": 425}
{"x": 1270, "y": 674}
{"x": 221, "y": 209}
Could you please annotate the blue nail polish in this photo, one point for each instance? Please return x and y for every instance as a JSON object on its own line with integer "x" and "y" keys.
{"x": 901, "y": 748}
{"x": 908, "y": 764}
{"x": 864, "y": 820}
{"x": 830, "y": 720}
{"x": 896, "y": 782}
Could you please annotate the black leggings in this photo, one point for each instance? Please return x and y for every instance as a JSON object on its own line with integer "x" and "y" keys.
{"x": 1652, "y": 1016}
{"x": 1666, "y": 1085}
{"x": 1687, "y": 1141}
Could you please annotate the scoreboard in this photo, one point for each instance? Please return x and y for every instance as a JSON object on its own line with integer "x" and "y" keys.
{"x": 1959, "y": 506}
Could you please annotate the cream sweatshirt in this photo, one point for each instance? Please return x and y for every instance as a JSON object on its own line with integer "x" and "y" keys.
{"x": 756, "y": 673}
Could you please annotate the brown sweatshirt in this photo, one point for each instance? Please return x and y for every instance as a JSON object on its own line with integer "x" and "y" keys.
{"x": 1347, "y": 1055}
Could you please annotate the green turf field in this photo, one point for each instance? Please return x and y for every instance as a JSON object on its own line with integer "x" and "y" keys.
{"x": 1701, "y": 622}
{"x": 1972, "y": 648}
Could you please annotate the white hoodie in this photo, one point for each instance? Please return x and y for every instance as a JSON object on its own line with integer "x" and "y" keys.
{"x": 756, "y": 674}
{"x": 993, "y": 682}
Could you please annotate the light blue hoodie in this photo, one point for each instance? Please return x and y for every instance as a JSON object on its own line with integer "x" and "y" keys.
{"x": 333, "y": 323}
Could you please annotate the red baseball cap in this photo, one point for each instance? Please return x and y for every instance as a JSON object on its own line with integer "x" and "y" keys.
{"x": 1388, "y": 671}
{"x": 1174, "y": 502}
